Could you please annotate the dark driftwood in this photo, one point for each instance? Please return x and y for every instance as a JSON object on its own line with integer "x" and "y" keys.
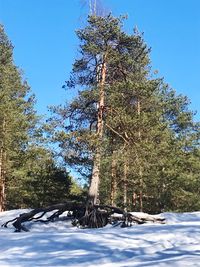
{"x": 94, "y": 216}
{"x": 30, "y": 216}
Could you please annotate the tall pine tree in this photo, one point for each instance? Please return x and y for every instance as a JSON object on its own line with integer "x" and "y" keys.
{"x": 125, "y": 130}
{"x": 17, "y": 118}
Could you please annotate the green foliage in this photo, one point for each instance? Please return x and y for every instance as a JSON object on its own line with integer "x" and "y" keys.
{"x": 40, "y": 182}
{"x": 17, "y": 117}
{"x": 28, "y": 171}
{"x": 148, "y": 129}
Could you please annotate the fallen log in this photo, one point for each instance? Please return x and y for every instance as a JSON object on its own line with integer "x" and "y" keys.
{"x": 57, "y": 210}
{"x": 84, "y": 216}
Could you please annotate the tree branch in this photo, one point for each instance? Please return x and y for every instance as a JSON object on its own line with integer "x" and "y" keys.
{"x": 114, "y": 131}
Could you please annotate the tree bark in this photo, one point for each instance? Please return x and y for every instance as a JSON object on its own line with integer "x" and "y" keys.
{"x": 140, "y": 168}
{"x": 113, "y": 180}
{"x": 2, "y": 183}
{"x": 141, "y": 190}
{"x": 2, "y": 170}
{"x": 134, "y": 199}
{"x": 125, "y": 186}
{"x": 94, "y": 185}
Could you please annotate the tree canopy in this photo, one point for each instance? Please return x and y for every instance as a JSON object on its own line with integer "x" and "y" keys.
{"x": 129, "y": 135}
{"x": 125, "y": 125}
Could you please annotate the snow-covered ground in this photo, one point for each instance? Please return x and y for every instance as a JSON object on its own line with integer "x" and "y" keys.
{"x": 174, "y": 244}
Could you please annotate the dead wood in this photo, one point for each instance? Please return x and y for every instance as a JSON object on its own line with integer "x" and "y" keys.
{"x": 85, "y": 216}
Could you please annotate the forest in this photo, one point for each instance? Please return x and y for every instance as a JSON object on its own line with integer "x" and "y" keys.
{"x": 127, "y": 134}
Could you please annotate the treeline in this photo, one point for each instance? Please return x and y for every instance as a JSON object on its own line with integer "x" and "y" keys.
{"x": 131, "y": 138}
{"x": 29, "y": 173}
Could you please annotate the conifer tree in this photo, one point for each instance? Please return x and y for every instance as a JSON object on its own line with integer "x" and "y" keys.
{"x": 17, "y": 118}
{"x": 101, "y": 63}
{"x": 41, "y": 181}
{"x": 126, "y": 128}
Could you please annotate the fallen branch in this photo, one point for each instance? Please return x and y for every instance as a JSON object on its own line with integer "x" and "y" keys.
{"x": 94, "y": 216}
{"x": 30, "y": 216}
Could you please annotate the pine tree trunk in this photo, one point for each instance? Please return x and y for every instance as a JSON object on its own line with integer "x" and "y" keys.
{"x": 125, "y": 187}
{"x": 134, "y": 199}
{"x": 2, "y": 182}
{"x": 94, "y": 185}
{"x": 2, "y": 171}
{"x": 140, "y": 168}
{"x": 113, "y": 181}
{"x": 141, "y": 190}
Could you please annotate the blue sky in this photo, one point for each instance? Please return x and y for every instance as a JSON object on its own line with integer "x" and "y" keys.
{"x": 43, "y": 34}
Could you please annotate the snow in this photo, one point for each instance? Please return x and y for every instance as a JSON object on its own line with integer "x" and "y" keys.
{"x": 174, "y": 244}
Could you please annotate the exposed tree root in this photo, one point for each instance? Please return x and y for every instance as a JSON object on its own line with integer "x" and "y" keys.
{"x": 94, "y": 216}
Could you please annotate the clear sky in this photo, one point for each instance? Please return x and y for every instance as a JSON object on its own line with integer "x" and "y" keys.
{"x": 43, "y": 34}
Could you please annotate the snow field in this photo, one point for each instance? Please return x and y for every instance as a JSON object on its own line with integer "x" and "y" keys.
{"x": 174, "y": 244}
